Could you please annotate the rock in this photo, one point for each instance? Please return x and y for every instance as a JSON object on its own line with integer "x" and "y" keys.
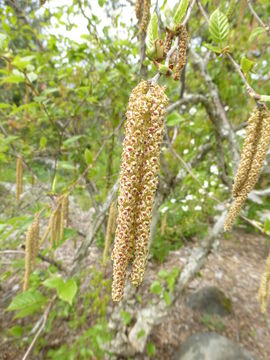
{"x": 211, "y": 346}
{"x": 210, "y": 300}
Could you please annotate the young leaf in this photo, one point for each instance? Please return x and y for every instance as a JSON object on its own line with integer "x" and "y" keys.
{"x": 152, "y": 31}
{"x": 53, "y": 282}
{"x": 265, "y": 98}
{"x": 88, "y": 157}
{"x": 256, "y": 32}
{"x": 126, "y": 317}
{"x": 219, "y": 26}
{"x": 3, "y": 39}
{"x": 174, "y": 118}
{"x": 27, "y": 303}
{"x": 213, "y": 48}
{"x": 180, "y": 11}
{"x": 66, "y": 291}
{"x": 156, "y": 287}
{"x": 151, "y": 349}
{"x": 246, "y": 65}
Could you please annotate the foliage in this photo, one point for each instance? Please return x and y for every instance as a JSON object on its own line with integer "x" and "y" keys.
{"x": 62, "y": 104}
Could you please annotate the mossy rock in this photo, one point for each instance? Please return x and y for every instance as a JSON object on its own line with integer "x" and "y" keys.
{"x": 210, "y": 300}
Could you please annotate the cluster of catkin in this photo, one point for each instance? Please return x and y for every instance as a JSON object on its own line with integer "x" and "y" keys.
{"x": 139, "y": 170}
{"x": 31, "y": 249}
{"x": 143, "y": 13}
{"x": 19, "y": 178}
{"x": 111, "y": 224}
{"x": 57, "y": 220}
{"x": 252, "y": 158}
{"x": 179, "y": 57}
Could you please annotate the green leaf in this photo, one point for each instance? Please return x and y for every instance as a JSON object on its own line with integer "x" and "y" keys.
{"x": 215, "y": 49}
{"x": 246, "y": 65}
{"x": 180, "y": 11}
{"x": 156, "y": 287}
{"x": 141, "y": 333}
{"x": 32, "y": 76}
{"x": 167, "y": 298}
{"x": 267, "y": 226}
{"x": 256, "y": 32}
{"x": 16, "y": 331}
{"x": 151, "y": 349}
{"x": 42, "y": 142}
{"x": 67, "y": 290}
{"x": 219, "y": 26}
{"x": 88, "y": 157}
{"x": 3, "y": 41}
{"x": 53, "y": 282}
{"x": 163, "y": 274}
{"x": 27, "y": 302}
{"x": 174, "y": 119}
{"x": 101, "y": 2}
{"x": 265, "y": 98}
{"x": 126, "y": 317}
{"x": 152, "y": 31}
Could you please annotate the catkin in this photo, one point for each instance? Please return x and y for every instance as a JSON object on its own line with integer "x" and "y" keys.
{"x": 129, "y": 186}
{"x": 170, "y": 34}
{"x": 35, "y": 240}
{"x": 31, "y": 249}
{"x": 262, "y": 144}
{"x": 150, "y": 168}
{"x": 248, "y": 151}
{"x": 145, "y": 15}
{"x": 138, "y": 183}
{"x": 182, "y": 50}
{"x": 163, "y": 225}
{"x": 19, "y": 178}
{"x": 109, "y": 233}
{"x": 264, "y": 289}
{"x": 138, "y": 8}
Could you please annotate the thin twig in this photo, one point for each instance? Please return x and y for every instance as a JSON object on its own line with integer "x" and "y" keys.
{"x": 259, "y": 20}
{"x": 42, "y": 326}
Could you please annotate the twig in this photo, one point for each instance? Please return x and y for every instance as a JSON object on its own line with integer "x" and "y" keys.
{"x": 251, "y": 92}
{"x": 173, "y": 48}
{"x": 42, "y": 326}
{"x": 259, "y": 20}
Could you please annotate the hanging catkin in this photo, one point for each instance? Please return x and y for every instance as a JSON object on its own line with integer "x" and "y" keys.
{"x": 150, "y": 168}
{"x": 248, "y": 151}
{"x": 129, "y": 186}
{"x": 182, "y": 50}
{"x": 170, "y": 34}
{"x": 145, "y": 15}
{"x": 19, "y": 178}
{"x": 262, "y": 144}
{"x": 31, "y": 250}
{"x": 264, "y": 289}
{"x": 109, "y": 232}
{"x": 138, "y": 9}
{"x": 35, "y": 240}
{"x": 139, "y": 169}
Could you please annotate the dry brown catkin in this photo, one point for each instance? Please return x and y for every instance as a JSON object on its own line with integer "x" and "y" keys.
{"x": 19, "y": 177}
{"x": 129, "y": 186}
{"x": 255, "y": 168}
{"x": 264, "y": 289}
{"x": 182, "y": 50}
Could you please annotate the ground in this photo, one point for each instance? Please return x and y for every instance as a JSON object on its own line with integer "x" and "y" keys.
{"x": 234, "y": 266}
